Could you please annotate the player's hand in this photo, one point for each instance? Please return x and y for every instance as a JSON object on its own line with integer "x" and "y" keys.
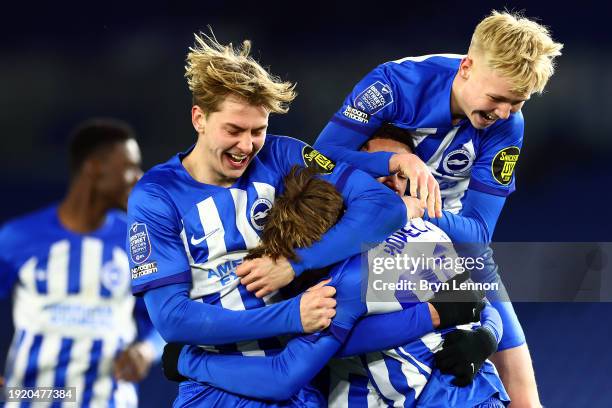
{"x": 264, "y": 275}
{"x": 318, "y": 307}
{"x": 458, "y": 306}
{"x": 423, "y": 185}
{"x": 170, "y": 358}
{"x": 464, "y": 352}
{"x": 413, "y": 205}
{"x": 134, "y": 362}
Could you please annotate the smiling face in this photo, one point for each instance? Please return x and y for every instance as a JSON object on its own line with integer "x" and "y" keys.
{"x": 481, "y": 95}
{"x": 228, "y": 139}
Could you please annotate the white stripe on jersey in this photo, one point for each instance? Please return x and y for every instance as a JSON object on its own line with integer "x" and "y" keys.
{"x": 27, "y": 275}
{"x": 210, "y": 220}
{"x": 91, "y": 266}
{"x": 265, "y": 190}
{"x": 233, "y": 301}
{"x": 186, "y": 245}
{"x": 411, "y": 373}
{"x": 380, "y": 375}
{"x": 20, "y": 363}
{"x": 79, "y": 363}
{"x": 57, "y": 269}
{"x": 422, "y": 58}
{"x": 251, "y": 239}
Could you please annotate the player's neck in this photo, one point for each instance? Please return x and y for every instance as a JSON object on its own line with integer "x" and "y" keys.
{"x": 80, "y": 211}
{"x": 457, "y": 113}
{"x": 200, "y": 171}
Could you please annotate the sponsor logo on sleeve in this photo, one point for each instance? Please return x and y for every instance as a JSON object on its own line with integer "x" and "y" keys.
{"x": 356, "y": 115}
{"x": 503, "y": 164}
{"x": 140, "y": 244}
{"x": 144, "y": 270}
{"x": 374, "y": 98}
{"x": 259, "y": 213}
{"x": 314, "y": 159}
{"x": 458, "y": 162}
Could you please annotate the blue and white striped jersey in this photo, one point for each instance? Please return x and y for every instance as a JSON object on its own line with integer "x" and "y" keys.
{"x": 414, "y": 93}
{"x": 184, "y": 231}
{"x": 405, "y": 376}
{"x": 72, "y": 306}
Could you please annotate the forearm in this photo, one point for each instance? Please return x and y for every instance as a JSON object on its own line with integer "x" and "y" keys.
{"x": 278, "y": 377}
{"x": 342, "y": 144}
{"x": 392, "y": 330}
{"x": 476, "y": 221}
{"x": 182, "y": 320}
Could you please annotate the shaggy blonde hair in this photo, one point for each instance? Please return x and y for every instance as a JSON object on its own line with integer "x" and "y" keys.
{"x": 214, "y": 71}
{"x": 518, "y": 49}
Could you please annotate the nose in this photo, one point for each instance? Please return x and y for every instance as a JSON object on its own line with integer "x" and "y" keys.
{"x": 503, "y": 110}
{"x": 392, "y": 182}
{"x": 245, "y": 144}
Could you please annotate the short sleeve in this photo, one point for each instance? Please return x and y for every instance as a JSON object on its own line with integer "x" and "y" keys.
{"x": 156, "y": 251}
{"x": 497, "y": 156}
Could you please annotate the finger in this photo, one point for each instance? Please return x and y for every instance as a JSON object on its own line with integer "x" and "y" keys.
{"x": 262, "y": 292}
{"x": 327, "y": 323}
{"x": 330, "y": 313}
{"x": 319, "y": 285}
{"x": 250, "y": 278}
{"x": 328, "y": 303}
{"x": 327, "y": 291}
{"x": 423, "y": 193}
{"x": 438, "y": 201}
{"x": 255, "y": 286}
{"x": 431, "y": 198}
{"x": 414, "y": 185}
{"x": 244, "y": 268}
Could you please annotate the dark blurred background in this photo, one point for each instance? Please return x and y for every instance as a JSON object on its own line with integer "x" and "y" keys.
{"x": 61, "y": 64}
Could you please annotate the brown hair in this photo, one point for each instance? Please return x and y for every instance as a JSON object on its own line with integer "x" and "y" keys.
{"x": 214, "y": 71}
{"x": 307, "y": 208}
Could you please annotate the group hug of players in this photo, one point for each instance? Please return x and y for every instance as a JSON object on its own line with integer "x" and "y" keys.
{"x": 248, "y": 248}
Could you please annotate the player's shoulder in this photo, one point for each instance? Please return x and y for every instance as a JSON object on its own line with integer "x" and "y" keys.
{"x": 506, "y": 131}
{"x": 278, "y": 146}
{"x": 117, "y": 219}
{"x": 24, "y": 227}
{"x": 424, "y": 65}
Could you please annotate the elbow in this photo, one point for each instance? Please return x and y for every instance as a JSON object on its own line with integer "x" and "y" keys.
{"x": 287, "y": 388}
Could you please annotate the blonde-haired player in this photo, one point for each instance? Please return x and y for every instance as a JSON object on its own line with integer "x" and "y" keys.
{"x": 194, "y": 218}
{"x": 464, "y": 115}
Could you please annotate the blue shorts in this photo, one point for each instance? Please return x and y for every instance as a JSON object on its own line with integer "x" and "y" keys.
{"x": 492, "y": 403}
{"x": 192, "y": 394}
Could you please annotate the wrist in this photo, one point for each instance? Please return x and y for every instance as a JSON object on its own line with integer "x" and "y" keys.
{"x": 435, "y": 316}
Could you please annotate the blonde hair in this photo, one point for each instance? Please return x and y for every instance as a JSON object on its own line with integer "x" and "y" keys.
{"x": 518, "y": 49}
{"x": 214, "y": 71}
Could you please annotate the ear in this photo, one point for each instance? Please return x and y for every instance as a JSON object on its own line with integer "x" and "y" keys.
{"x": 465, "y": 67}
{"x": 91, "y": 167}
{"x": 198, "y": 118}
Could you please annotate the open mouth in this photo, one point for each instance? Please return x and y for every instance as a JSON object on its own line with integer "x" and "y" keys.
{"x": 237, "y": 161}
{"x": 488, "y": 116}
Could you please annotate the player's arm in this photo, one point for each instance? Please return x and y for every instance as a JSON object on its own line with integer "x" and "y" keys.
{"x": 160, "y": 270}
{"x": 372, "y": 213}
{"x": 376, "y": 99}
{"x": 465, "y": 351}
{"x": 491, "y": 181}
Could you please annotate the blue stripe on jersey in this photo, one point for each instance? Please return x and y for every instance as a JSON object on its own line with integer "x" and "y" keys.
{"x": 250, "y": 301}
{"x": 92, "y": 371}
{"x": 411, "y": 361}
{"x": 63, "y": 359}
{"x": 74, "y": 267}
{"x": 41, "y": 276}
{"x": 398, "y": 379}
{"x": 107, "y": 255}
{"x": 358, "y": 391}
{"x": 364, "y": 361}
{"x": 112, "y": 402}
{"x": 29, "y": 378}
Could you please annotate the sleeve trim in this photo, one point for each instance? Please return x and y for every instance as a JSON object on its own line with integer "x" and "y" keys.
{"x": 182, "y": 277}
{"x": 484, "y": 188}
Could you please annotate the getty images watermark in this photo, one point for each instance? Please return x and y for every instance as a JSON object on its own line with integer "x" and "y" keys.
{"x": 399, "y": 271}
